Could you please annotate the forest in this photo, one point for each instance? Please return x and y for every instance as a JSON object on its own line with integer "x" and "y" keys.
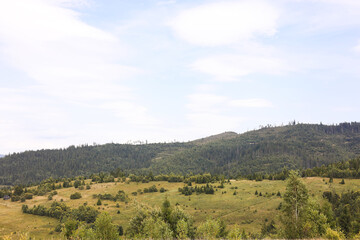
{"x": 264, "y": 151}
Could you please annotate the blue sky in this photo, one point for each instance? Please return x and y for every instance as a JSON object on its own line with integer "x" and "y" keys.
{"x": 76, "y": 72}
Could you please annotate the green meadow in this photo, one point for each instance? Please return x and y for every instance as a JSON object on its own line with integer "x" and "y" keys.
{"x": 236, "y": 203}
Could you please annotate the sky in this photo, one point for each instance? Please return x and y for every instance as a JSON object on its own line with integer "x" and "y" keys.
{"x": 88, "y": 71}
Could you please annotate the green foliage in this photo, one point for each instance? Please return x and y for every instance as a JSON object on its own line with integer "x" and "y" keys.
{"x": 34, "y": 166}
{"x": 61, "y": 211}
{"x": 303, "y": 217}
{"x": 156, "y": 228}
{"x": 18, "y": 190}
{"x": 76, "y": 195}
{"x": 333, "y": 234}
{"x": 150, "y": 189}
{"x": 236, "y": 233}
{"x": 267, "y": 150}
{"x": 207, "y": 189}
{"x": 70, "y": 227}
{"x": 342, "y": 169}
{"x": 268, "y": 229}
{"x": 84, "y": 232}
{"x": 209, "y": 229}
{"x": 120, "y": 196}
{"x": 294, "y": 207}
{"x": 161, "y": 224}
{"x": 345, "y": 211}
{"x": 104, "y": 228}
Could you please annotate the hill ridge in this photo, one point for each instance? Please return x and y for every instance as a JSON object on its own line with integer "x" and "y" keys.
{"x": 265, "y": 150}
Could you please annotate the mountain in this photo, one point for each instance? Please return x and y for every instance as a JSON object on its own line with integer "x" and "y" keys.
{"x": 265, "y": 150}
{"x": 1, "y": 156}
{"x": 268, "y": 150}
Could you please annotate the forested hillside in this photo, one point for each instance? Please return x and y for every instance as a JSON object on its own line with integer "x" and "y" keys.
{"x": 34, "y": 166}
{"x": 266, "y": 150}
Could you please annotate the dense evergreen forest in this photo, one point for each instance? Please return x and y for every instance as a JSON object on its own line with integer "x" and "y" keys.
{"x": 267, "y": 150}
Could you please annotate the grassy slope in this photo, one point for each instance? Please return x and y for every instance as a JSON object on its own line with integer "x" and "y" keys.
{"x": 245, "y": 209}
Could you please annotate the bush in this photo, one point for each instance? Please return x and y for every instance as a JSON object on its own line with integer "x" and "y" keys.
{"x": 209, "y": 229}
{"x": 120, "y": 230}
{"x": 98, "y": 202}
{"x": 15, "y": 198}
{"x": 28, "y": 195}
{"x": 104, "y": 228}
{"x": 333, "y": 235}
{"x": 58, "y": 228}
{"x": 76, "y": 195}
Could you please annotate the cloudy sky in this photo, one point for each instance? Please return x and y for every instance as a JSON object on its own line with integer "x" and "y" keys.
{"x": 77, "y": 71}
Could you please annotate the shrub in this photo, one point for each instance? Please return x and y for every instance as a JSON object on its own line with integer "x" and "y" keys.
{"x": 333, "y": 235}
{"x": 15, "y": 198}
{"x": 28, "y": 195}
{"x": 76, "y": 195}
{"x": 104, "y": 229}
{"x": 58, "y": 228}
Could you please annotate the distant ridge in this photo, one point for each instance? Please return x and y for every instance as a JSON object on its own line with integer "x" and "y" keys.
{"x": 217, "y": 137}
{"x": 1, "y": 156}
{"x": 268, "y": 149}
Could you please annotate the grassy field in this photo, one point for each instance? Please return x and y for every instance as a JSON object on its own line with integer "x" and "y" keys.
{"x": 244, "y": 209}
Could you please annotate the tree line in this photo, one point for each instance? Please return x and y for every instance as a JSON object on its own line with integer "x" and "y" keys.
{"x": 267, "y": 150}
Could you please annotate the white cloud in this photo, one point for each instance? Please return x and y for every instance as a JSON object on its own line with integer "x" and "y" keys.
{"x": 224, "y": 23}
{"x": 70, "y": 62}
{"x": 357, "y": 48}
{"x": 231, "y": 67}
{"x": 168, "y": 2}
{"x": 251, "y": 103}
{"x": 318, "y": 16}
{"x": 206, "y": 123}
{"x": 206, "y": 103}
{"x": 350, "y": 3}
{"x": 66, "y": 57}
{"x": 216, "y": 113}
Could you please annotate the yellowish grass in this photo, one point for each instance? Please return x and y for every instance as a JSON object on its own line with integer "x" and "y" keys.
{"x": 245, "y": 208}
